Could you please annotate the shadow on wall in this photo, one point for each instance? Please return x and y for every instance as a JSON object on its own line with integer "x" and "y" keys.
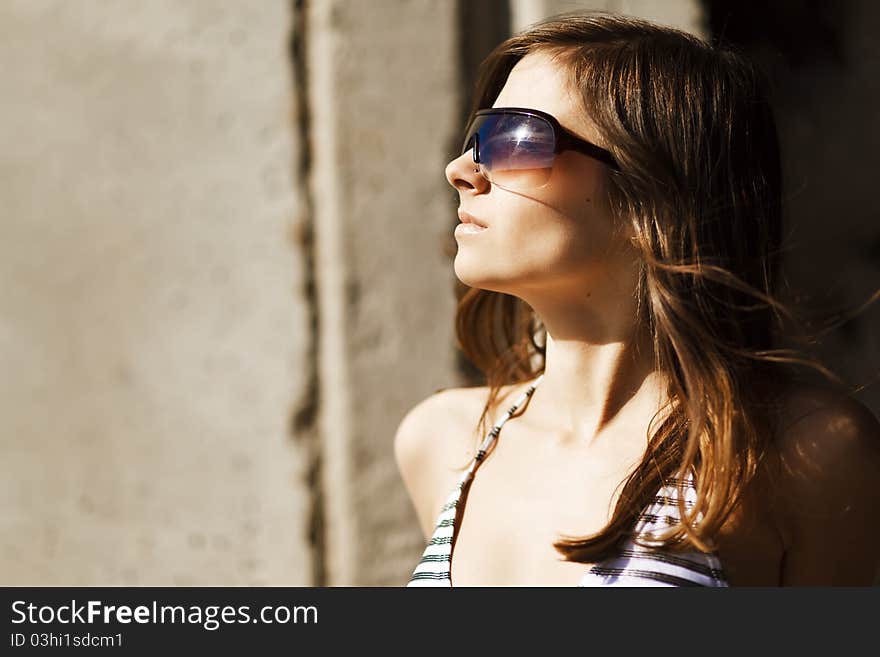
{"x": 825, "y": 87}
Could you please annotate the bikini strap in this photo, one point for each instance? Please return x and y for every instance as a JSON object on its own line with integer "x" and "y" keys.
{"x": 489, "y": 441}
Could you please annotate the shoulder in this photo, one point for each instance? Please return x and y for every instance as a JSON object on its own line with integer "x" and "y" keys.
{"x": 828, "y": 487}
{"x": 821, "y": 428}
{"x": 433, "y": 442}
{"x": 429, "y": 430}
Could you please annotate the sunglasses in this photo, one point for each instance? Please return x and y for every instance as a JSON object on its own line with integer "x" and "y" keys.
{"x": 515, "y": 147}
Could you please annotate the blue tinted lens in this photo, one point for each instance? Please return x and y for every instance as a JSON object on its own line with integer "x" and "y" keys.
{"x": 516, "y": 150}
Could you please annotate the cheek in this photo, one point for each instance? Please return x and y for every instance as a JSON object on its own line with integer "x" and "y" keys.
{"x": 532, "y": 250}
{"x": 565, "y": 250}
{"x": 567, "y": 239}
{"x": 590, "y": 229}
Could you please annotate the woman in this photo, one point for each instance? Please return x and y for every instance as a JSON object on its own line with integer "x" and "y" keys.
{"x": 620, "y": 232}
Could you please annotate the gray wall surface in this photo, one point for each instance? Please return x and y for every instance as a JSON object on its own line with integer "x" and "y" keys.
{"x": 151, "y": 319}
{"x": 383, "y": 95}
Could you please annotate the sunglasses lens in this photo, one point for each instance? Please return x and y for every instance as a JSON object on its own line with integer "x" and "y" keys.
{"x": 516, "y": 150}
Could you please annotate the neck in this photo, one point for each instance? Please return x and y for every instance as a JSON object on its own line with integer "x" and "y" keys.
{"x": 589, "y": 383}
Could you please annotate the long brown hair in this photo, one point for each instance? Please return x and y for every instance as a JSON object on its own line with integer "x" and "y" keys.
{"x": 700, "y": 181}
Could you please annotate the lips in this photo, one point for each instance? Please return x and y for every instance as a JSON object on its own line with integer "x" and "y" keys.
{"x": 466, "y": 218}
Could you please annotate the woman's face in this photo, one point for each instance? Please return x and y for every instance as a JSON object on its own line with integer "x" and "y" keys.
{"x": 556, "y": 239}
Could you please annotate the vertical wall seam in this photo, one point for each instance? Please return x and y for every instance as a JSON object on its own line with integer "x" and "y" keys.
{"x": 304, "y": 427}
{"x": 323, "y": 58}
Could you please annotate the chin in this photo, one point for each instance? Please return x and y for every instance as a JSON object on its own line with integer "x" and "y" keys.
{"x": 474, "y": 274}
{"x": 469, "y": 270}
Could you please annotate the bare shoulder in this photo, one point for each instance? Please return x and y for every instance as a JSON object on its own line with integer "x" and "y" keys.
{"x": 434, "y": 441}
{"x": 828, "y": 487}
{"x": 822, "y": 427}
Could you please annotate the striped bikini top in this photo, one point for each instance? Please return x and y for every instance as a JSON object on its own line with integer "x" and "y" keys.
{"x": 633, "y": 565}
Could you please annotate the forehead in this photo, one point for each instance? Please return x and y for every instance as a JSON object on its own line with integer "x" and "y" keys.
{"x": 537, "y": 82}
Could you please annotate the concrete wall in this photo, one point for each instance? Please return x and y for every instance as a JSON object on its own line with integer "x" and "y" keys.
{"x": 683, "y": 14}
{"x": 223, "y": 283}
{"x": 151, "y": 313}
{"x": 382, "y": 97}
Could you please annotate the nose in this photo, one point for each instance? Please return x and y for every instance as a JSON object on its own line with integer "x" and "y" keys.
{"x": 464, "y": 174}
